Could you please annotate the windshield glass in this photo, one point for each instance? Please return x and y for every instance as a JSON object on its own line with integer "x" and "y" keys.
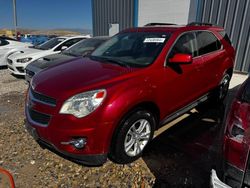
{"x": 50, "y": 44}
{"x": 84, "y": 47}
{"x": 133, "y": 49}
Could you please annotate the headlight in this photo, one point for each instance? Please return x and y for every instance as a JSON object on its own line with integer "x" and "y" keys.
{"x": 24, "y": 60}
{"x": 83, "y": 104}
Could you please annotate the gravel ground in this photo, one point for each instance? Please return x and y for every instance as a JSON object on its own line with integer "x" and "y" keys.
{"x": 10, "y": 83}
{"x": 33, "y": 166}
{"x": 180, "y": 157}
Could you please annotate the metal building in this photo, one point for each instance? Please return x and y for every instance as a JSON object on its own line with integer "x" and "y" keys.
{"x": 234, "y": 16}
{"x": 112, "y": 16}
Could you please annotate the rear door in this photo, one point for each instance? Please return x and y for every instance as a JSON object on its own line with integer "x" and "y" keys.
{"x": 212, "y": 53}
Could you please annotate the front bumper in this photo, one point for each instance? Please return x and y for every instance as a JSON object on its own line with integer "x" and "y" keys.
{"x": 16, "y": 68}
{"x": 91, "y": 160}
{"x": 54, "y": 130}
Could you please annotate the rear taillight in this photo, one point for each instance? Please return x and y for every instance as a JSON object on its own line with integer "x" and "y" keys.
{"x": 238, "y": 132}
{"x": 237, "y": 120}
{"x": 235, "y": 142}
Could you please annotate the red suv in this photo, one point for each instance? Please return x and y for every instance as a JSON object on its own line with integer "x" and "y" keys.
{"x": 236, "y": 143}
{"x": 110, "y": 104}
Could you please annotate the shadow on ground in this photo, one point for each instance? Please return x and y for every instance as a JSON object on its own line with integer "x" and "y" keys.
{"x": 183, "y": 155}
{"x": 3, "y": 67}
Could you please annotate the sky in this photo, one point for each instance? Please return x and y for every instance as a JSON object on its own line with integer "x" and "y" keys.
{"x": 47, "y": 14}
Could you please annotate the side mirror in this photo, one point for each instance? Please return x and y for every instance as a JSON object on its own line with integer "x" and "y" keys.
{"x": 181, "y": 59}
{"x": 6, "y": 179}
{"x": 63, "y": 48}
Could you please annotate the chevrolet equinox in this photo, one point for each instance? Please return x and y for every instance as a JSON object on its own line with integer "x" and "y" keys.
{"x": 108, "y": 105}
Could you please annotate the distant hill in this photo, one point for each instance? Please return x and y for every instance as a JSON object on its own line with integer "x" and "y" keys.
{"x": 59, "y": 31}
{"x": 77, "y": 30}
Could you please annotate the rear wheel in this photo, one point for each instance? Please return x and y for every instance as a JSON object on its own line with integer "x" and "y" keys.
{"x": 222, "y": 90}
{"x": 134, "y": 133}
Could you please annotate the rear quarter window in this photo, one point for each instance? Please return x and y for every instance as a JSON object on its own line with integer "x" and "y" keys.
{"x": 207, "y": 42}
{"x": 225, "y": 36}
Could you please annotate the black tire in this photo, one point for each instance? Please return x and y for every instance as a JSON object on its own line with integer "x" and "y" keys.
{"x": 117, "y": 151}
{"x": 222, "y": 90}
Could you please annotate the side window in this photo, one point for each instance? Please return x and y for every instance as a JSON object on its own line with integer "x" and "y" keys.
{"x": 68, "y": 43}
{"x": 184, "y": 45}
{"x": 225, "y": 36}
{"x": 207, "y": 42}
{"x": 3, "y": 42}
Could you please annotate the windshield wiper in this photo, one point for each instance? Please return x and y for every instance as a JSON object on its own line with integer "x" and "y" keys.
{"x": 110, "y": 60}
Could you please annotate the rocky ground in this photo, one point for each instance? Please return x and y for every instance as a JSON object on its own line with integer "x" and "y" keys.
{"x": 179, "y": 157}
{"x": 33, "y": 166}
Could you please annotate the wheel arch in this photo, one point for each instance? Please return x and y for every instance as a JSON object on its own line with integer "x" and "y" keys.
{"x": 146, "y": 105}
{"x": 230, "y": 71}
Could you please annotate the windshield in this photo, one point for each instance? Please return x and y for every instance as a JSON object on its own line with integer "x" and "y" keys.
{"x": 84, "y": 47}
{"x": 50, "y": 44}
{"x": 133, "y": 49}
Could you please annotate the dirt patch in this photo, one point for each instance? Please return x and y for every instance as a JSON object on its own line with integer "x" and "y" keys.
{"x": 33, "y": 166}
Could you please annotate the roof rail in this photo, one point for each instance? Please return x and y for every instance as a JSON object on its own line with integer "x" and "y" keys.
{"x": 153, "y": 24}
{"x": 199, "y": 24}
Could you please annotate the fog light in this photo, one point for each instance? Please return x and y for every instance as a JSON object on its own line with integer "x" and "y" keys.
{"x": 78, "y": 143}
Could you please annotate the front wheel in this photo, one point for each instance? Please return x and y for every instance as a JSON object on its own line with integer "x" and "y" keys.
{"x": 132, "y": 136}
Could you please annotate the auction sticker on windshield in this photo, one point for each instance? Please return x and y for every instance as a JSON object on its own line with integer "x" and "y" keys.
{"x": 154, "y": 40}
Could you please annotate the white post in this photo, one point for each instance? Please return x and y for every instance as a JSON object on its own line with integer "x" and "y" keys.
{"x": 15, "y": 17}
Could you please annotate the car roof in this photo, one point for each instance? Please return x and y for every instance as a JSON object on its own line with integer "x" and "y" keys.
{"x": 161, "y": 27}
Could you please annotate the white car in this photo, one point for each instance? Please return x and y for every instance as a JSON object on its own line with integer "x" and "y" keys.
{"x": 9, "y": 46}
{"x": 18, "y": 61}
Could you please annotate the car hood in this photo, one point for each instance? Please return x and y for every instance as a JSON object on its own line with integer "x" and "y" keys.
{"x": 48, "y": 61}
{"x": 29, "y": 52}
{"x": 76, "y": 76}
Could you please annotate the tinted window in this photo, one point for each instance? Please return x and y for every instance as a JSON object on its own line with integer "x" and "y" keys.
{"x": 81, "y": 48}
{"x": 207, "y": 42}
{"x": 68, "y": 43}
{"x": 184, "y": 45}
{"x": 3, "y": 42}
{"x": 225, "y": 36}
{"x": 51, "y": 43}
{"x": 132, "y": 48}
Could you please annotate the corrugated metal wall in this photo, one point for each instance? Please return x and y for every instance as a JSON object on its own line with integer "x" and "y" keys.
{"x": 106, "y": 12}
{"x": 162, "y": 11}
{"x": 234, "y": 16}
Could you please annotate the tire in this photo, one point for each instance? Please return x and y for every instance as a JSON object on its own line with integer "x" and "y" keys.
{"x": 222, "y": 90}
{"x": 133, "y": 134}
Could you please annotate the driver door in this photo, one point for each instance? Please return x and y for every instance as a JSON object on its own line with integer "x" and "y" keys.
{"x": 181, "y": 81}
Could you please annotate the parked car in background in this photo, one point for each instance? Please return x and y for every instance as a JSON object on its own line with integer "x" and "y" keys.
{"x": 34, "y": 39}
{"x": 80, "y": 49}
{"x": 236, "y": 143}
{"x": 8, "y": 46}
{"x": 18, "y": 61}
{"x": 110, "y": 104}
